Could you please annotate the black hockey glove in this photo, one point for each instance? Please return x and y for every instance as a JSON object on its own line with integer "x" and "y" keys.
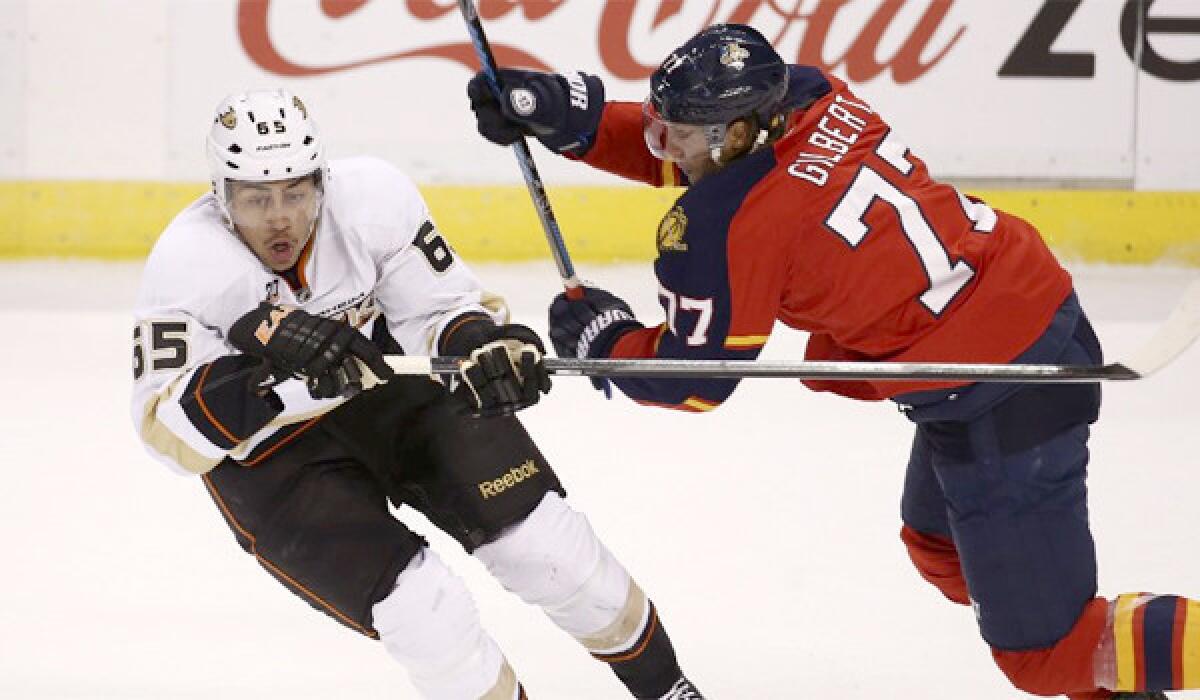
{"x": 562, "y": 111}
{"x": 332, "y": 357}
{"x": 588, "y": 327}
{"x": 504, "y": 372}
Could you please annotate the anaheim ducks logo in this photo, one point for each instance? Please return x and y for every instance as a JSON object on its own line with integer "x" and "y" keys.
{"x": 671, "y": 230}
{"x": 228, "y": 119}
{"x": 734, "y": 55}
{"x": 300, "y": 106}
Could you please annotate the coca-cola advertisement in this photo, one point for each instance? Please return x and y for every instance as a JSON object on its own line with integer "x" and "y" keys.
{"x": 1035, "y": 91}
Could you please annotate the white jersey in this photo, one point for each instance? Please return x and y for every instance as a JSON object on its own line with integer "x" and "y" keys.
{"x": 375, "y": 251}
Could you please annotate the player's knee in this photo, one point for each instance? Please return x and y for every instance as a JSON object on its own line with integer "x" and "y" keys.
{"x": 1037, "y": 672}
{"x": 554, "y": 560}
{"x": 1067, "y": 666}
{"x": 936, "y": 559}
{"x": 547, "y": 556}
{"x": 429, "y": 624}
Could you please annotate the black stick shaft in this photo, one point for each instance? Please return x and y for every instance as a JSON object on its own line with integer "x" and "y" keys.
{"x": 533, "y": 181}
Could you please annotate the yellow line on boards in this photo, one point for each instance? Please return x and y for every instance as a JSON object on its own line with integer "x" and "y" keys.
{"x": 120, "y": 220}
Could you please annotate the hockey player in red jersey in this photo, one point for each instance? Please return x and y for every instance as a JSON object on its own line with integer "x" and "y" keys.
{"x": 803, "y": 206}
{"x": 263, "y": 314}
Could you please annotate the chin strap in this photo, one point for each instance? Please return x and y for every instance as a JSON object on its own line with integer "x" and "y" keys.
{"x": 759, "y": 140}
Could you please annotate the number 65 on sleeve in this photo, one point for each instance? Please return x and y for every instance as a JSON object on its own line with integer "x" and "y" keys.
{"x": 159, "y": 345}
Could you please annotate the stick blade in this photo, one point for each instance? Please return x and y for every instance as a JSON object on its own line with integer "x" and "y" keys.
{"x": 1175, "y": 335}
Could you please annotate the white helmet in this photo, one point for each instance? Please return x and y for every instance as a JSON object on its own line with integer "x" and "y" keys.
{"x": 262, "y": 136}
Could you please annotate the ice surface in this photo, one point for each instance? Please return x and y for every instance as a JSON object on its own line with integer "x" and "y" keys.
{"x": 765, "y": 531}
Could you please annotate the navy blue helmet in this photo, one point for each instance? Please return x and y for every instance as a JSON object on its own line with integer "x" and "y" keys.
{"x": 726, "y": 72}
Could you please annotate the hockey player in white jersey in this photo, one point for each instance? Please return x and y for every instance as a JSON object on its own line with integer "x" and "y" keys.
{"x": 259, "y": 326}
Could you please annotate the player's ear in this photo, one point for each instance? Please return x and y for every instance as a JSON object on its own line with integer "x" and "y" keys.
{"x": 739, "y": 136}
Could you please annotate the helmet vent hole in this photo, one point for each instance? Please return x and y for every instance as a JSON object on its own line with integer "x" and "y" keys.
{"x": 266, "y": 172}
{"x": 308, "y": 140}
{"x": 251, "y": 115}
{"x": 313, "y": 157}
{"x": 232, "y": 165}
{"x": 234, "y": 148}
{"x": 289, "y": 170}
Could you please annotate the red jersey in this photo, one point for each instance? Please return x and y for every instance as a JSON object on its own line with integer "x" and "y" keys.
{"x": 839, "y": 230}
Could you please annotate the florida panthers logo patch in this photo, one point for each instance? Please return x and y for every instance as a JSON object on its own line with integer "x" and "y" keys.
{"x": 671, "y": 230}
{"x": 734, "y": 55}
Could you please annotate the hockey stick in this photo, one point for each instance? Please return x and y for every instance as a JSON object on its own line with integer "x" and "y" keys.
{"x": 1174, "y": 336}
{"x": 533, "y": 181}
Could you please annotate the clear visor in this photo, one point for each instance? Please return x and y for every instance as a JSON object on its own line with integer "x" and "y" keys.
{"x": 254, "y": 205}
{"x": 680, "y": 143}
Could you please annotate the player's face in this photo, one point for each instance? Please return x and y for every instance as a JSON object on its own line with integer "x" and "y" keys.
{"x": 690, "y": 146}
{"x": 684, "y": 144}
{"x": 275, "y": 219}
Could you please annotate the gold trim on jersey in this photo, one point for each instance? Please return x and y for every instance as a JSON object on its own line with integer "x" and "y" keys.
{"x": 157, "y": 435}
{"x": 496, "y": 304}
{"x": 244, "y": 450}
{"x": 741, "y": 342}
{"x": 699, "y": 404}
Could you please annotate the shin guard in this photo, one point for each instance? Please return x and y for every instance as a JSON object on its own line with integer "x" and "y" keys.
{"x": 554, "y": 560}
{"x": 430, "y": 625}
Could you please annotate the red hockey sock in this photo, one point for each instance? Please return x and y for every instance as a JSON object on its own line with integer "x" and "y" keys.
{"x": 1065, "y": 668}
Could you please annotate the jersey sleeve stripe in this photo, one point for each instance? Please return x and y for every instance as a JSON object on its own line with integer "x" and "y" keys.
{"x": 742, "y": 342}
{"x": 233, "y": 439}
{"x": 669, "y": 176}
{"x": 662, "y": 330}
{"x": 693, "y": 404}
{"x": 220, "y": 406}
{"x": 163, "y": 441}
{"x": 254, "y": 461}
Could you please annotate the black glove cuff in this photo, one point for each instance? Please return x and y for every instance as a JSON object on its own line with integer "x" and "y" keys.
{"x": 584, "y": 110}
{"x": 241, "y": 334}
{"x": 466, "y": 333}
{"x": 603, "y": 331}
